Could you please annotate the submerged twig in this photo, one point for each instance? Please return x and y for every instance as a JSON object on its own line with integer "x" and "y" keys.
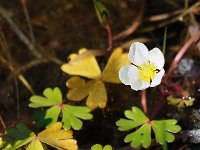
{"x": 2, "y": 122}
{"x": 27, "y": 66}
{"x": 175, "y": 19}
{"x": 20, "y": 76}
{"x": 39, "y": 52}
{"x": 181, "y": 53}
{"x": 175, "y": 62}
{"x": 19, "y": 33}
{"x": 132, "y": 28}
{"x": 127, "y": 44}
{"x": 164, "y": 16}
{"x": 25, "y": 9}
{"x": 26, "y": 83}
{"x": 17, "y": 97}
{"x": 164, "y": 41}
{"x": 7, "y": 61}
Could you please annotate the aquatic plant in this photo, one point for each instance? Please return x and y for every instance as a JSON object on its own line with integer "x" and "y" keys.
{"x": 146, "y": 70}
{"x": 70, "y": 114}
{"x": 52, "y": 135}
{"x": 86, "y": 81}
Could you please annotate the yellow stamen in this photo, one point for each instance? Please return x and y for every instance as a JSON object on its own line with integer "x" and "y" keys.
{"x": 147, "y": 72}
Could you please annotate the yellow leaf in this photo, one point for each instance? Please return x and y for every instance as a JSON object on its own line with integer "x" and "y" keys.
{"x": 35, "y": 145}
{"x": 58, "y": 138}
{"x": 75, "y": 82}
{"x": 86, "y": 67}
{"x": 115, "y": 62}
{"x": 95, "y": 90}
{"x": 1, "y": 142}
{"x": 97, "y": 96}
{"x": 79, "y": 88}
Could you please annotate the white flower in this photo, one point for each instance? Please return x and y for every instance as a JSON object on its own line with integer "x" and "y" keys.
{"x": 146, "y": 70}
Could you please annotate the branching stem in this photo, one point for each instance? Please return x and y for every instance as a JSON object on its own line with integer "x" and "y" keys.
{"x": 181, "y": 53}
{"x": 19, "y": 33}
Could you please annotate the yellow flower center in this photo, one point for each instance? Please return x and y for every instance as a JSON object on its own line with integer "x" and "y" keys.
{"x": 147, "y": 72}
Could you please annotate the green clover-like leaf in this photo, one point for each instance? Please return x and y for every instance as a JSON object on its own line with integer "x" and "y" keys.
{"x": 17, "y": 137}
{"x": 53, "y": 135}
{"x": 142, "y": 136}
{"x": 97, "y": 147}
{"x": 163, "y": 130}
{"x": 137, "y": 118}
{"x": 100, "y": 147}
{"x": 107, "y": 147}
{"x": 70, "y": 114}
{"x": 47, "y": 117}
{"x": 52, "y": 97}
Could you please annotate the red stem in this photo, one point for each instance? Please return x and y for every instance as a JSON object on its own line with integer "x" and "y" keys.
{"x": 3, "y": 123}
{"x": 172, "y": 67}
{"x": 181, "y": 53}
{"x": 160, "y": 104}
{"x": 144, "y": 101}
{"x": 110, "y": 37}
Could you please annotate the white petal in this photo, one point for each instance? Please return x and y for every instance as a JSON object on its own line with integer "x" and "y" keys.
{"x": 133, "y": 73}
{"x": 123, "y": 74}
{"x": 138, "y": 53}
{"x": 157, "y": 79}
{"x": 145, "y": 85}
{"x": 139, "y": 85}
{"x": 136, "y": 85}
{"x": 134, "y": 81}
{"x": 156, "y": 57}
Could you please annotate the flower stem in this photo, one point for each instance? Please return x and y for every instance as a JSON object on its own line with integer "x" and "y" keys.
{"x": 144, "y": 101}
{"x": 2, "y": 123}
{"x": 181, "y": 53}
{"x": 110, "y": 37}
